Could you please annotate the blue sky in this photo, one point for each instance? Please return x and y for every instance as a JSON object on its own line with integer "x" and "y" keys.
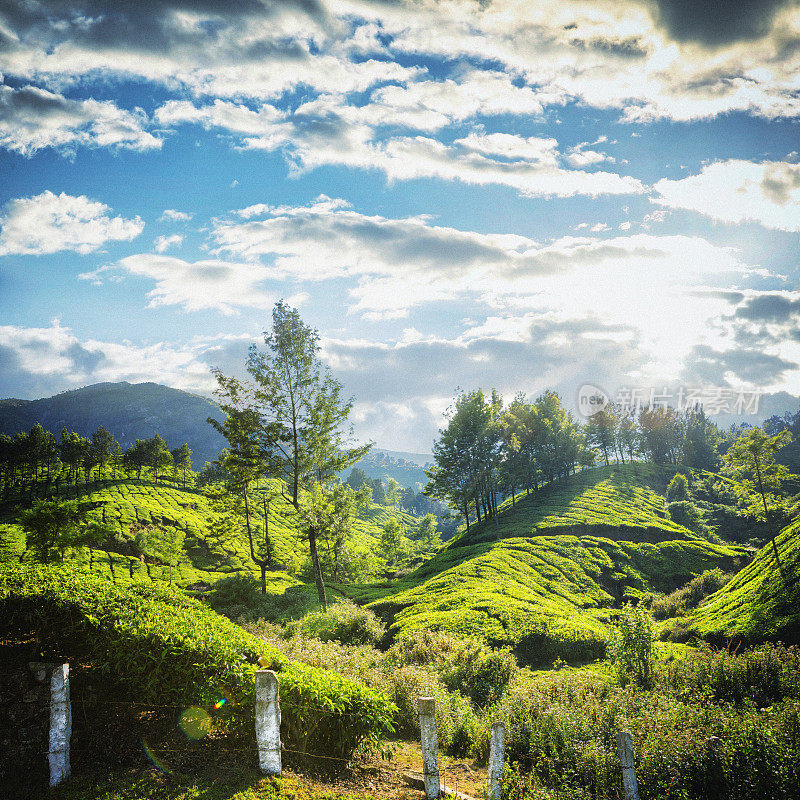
{"x": 456, "y": 194}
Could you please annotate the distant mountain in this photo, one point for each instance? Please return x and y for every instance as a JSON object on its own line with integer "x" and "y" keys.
{"x": 405, "y": 468}
{"x": 129, "y": 410}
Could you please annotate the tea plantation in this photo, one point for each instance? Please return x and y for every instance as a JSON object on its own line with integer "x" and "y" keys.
{"x": 548, "y": 573}
{"x": 759, "y": 602}
{"x": 208, "y": 549}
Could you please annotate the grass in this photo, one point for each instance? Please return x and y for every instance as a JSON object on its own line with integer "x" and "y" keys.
{"x": 154, "y": 785}
{"x": 758, "y": 603}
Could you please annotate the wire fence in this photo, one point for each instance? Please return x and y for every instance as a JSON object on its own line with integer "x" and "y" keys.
{"x": 225, "y": 730}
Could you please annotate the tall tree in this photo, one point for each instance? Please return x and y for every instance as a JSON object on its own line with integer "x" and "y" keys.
{"x": 159, "y": 456}
{"x": 182, "y": 460}
{"x": 52, "y": 527}
{"x": 601, "y": 431}
{"x": 750, "y": 460}
{"x": 301, "y": 414}
{"x": 700, "y": 442}
{"x": 103, "y": 447}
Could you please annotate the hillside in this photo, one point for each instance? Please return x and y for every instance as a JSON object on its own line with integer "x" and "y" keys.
{"x": 129, "y": 410}
{"x": 546, "y": 576}
{"x": 209, "y": 550}
{"x": 758, "y": 603}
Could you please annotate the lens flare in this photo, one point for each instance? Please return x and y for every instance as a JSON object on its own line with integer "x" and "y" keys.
{"x": 195, "y": 723}
{"x": 154, "y": 759}
{"x": 218, "y": 705}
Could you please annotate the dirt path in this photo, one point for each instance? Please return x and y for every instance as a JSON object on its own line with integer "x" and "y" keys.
{"x": 384, "y": 777}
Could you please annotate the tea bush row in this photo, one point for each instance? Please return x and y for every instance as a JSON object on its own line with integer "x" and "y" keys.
{"x": 162, "y": 646}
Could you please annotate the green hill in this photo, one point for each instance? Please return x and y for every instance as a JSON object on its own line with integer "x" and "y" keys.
{"x": 758, "y": 603}
{"x": 623, "y": 501}
{"x": 207, "y": 552}
{"x": 129, "y": 410}
{"x": 547, "y": 575}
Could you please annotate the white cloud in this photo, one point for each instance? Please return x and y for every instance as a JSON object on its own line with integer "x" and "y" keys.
{"x": 739, "y": 191}
{"x": 397, "y": 265}
{"x": 163, "y": 243}
{"x": 171, "y": 215}
{"x": 32, "y": 119}
{"x": 211, "y": 284}
{"x": 51, "y": 222}
{"x": 37, "y": 361}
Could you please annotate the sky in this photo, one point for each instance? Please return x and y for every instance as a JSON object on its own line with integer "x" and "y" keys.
{"x": 506, "y": 194}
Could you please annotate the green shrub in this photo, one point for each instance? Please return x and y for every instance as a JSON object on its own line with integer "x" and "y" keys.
{"x": 632, "y": 647}
{"x": 239, "y": 598}
{"x": 689, "y": 596}
{"x": 161, "y": 646}
{"x": 678, "y": 488}
{"x": 560, "y": 742}
{"x": 762, "y": 675}
{"x": 686, "y": 513}
{"x": 343, "y": 622}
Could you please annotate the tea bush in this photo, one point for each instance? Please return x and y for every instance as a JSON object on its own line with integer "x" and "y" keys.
{"x": 689, "y": 596}
{"x": 162, "y": 646}
{"x": 761, "y": 676}
{"x": 678, "y": 488}
{"x": 343, "y": 622}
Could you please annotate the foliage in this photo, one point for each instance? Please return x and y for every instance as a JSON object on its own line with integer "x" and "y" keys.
{"x": 560, "y": 742}
{"x": 678, "y": 488}
{"x": 686, "y": 513}
{"x": 679, "y": 602}
{"x": 239, "y": 597}
{"x": 761, "y": 676}
{"x": 342, "y": 622}
{"x": 631, "y": 649}
{"x": 165, "y": 647}
{"x": 53, "y": 527}
{"x": 751, "y": 461}
{"x": 758, "y": 603}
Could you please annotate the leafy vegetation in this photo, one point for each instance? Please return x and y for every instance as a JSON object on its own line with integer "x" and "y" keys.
{"x": 758, "y": 602}
{"x": 164, "y": 647}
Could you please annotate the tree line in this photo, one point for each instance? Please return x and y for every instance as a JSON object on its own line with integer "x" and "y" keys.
{"x": 489, "y": 451}
{"x": 39, "y": 456}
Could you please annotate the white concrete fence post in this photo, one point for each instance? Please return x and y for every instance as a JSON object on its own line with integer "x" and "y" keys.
{"x": 430, "y": 747}
{"x": 60, "y": 725}
{"x": 497, "y": 747}
{"x": 268, "y": 722}
{"x": 625, "y": 748}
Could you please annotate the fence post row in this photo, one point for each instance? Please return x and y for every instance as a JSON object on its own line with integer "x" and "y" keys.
{"x": 430, "y": 747}
{"x": 625, "y": 748}
{"x": 497, "y": 746}
{"x": 60, "y": 725}
{"x": 268, "y": 722}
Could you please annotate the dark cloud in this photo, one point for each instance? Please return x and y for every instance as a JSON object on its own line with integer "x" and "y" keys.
{"x": 716, "y": 23}
{"x": 768, "y": 308}
{"x": 84, "y": 360}
{"x": 709, "y": 366}
{"x": 148, "y": 26}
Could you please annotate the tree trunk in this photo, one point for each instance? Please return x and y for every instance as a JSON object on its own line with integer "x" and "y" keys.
{"x": 312, "y": 544}
{"x": 769, "y": 526}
